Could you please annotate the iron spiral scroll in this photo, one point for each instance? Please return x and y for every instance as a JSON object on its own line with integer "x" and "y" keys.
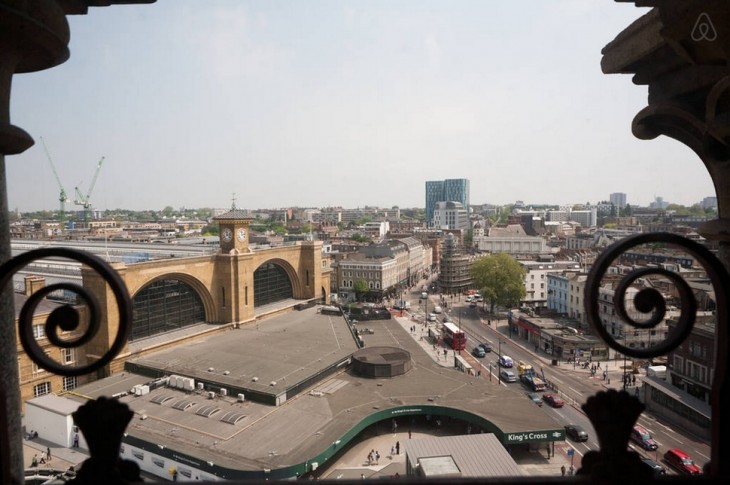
{"x": 649, "y": 301}
{"x": 66, "y": 318}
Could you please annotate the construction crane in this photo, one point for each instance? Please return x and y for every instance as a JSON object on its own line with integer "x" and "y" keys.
{"x": 62, "y": 199}
{"x": 85, "y": 201}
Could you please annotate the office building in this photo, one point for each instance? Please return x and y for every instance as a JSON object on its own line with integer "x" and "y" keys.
{"x": 618, "y": 199}
{"x": 456, "y": 190}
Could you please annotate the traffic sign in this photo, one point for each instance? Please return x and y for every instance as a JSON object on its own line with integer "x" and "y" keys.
{"x": 571, "y": 451}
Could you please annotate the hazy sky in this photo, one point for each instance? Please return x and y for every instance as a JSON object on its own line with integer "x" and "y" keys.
{"x": 351, "y": 103}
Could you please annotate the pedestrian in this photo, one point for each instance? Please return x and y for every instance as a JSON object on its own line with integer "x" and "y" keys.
{"x": 377, "y": 457}
{"x": 397, "y": 447}
{"x": 48, "y": 453}
{"x": 633, "y": 379}
{"x": 562, "y": 470}
{"x": 362, "y": 476}
{"x": 370, "y": 457}
{"x": 571, "y": 470}
{"x": 76, "y": 440}
{"x": 409, "y": 433}
{"x": 392, "y": 450}
{"x": 34, "y": 461}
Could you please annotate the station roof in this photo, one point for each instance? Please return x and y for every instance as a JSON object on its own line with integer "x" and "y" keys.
{"x": 315, "y": 411}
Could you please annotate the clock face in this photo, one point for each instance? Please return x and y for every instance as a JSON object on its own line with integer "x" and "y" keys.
{"x": 241, "y": 234}
{"x": 227, "y": 235}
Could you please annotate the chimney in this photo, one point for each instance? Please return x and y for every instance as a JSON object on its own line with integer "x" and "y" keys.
{"x": 33, "y": 283}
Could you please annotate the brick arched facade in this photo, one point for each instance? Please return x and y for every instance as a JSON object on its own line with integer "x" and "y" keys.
{"x": 224, "y": 282}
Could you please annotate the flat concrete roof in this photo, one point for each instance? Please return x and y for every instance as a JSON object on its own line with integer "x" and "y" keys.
{"x": 289, "y": 349}
{"x": 468, "y": 453}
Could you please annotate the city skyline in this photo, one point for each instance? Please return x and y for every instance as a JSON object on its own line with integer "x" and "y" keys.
{"x": 341, "y": 104}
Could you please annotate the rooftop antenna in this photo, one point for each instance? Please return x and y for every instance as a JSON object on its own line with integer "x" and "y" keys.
{"x": 233, "y": 202}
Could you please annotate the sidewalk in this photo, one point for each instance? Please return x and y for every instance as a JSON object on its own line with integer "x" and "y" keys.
{"x": 61, "y": 457}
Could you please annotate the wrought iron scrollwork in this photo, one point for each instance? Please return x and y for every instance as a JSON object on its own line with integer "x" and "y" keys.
{"x": 649, "y": 301}
{"x": 66, "y": 318}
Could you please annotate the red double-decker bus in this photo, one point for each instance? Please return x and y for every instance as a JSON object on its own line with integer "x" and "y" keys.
{"x": 453, "y": 336}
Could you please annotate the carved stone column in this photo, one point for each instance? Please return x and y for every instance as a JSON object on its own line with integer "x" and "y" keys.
{"x": 33, "y": 36}
{"x": 680, "y": 49}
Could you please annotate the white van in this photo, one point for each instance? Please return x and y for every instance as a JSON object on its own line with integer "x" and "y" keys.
{"x": 437, "y": 309}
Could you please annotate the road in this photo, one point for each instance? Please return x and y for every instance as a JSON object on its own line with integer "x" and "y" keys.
{"x": 573, "y": 383}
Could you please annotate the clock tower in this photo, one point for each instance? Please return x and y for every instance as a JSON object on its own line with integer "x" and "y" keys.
{"x": 234, "y": 231}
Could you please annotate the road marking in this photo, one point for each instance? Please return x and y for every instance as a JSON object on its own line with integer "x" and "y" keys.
{"x": 702, "y": 455}
{"x": 666, "y": 427}
{"x": 575, "y": 390}
{"x": 556, "y": 380}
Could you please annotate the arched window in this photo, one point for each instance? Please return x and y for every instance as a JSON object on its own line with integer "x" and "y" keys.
{"x": 270, "y": 284}
{"x": 165, "y": 305}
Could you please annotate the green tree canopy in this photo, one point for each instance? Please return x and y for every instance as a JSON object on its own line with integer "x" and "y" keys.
{"x": 361, "y": 288}
{"x": 500, "y": 279}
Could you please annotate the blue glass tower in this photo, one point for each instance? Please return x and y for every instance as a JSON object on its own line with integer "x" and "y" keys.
{"x": 444, "y": 191}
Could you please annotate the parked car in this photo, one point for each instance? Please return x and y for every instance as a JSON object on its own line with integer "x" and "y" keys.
{"x": 507, "y": 375}
{"x": 487, "y": 346}
{"x": 431, "y": 317}
{"x": 505, "y": 361}
{"x": 682, "y": 462}
{"x": 437, "y": 309}
{"x": 576, "y": 432}
{"x": 642, "y": 437}
{"x": 554, "y": 400}
{"x": 654, "y": 466}
{"x": 478, "y": 352}
{"x": 535, "y": 397}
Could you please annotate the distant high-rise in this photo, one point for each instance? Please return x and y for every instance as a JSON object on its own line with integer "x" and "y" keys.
{"x": 709, "y": 202}
{"x": 618, "y": 199}
{"x": 450, "y": 190}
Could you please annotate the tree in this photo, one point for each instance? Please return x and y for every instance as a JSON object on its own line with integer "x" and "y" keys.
{"x": 469, "y": 237}
{"x": 361, "y": 288}
{"x": 500, "y": 279}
